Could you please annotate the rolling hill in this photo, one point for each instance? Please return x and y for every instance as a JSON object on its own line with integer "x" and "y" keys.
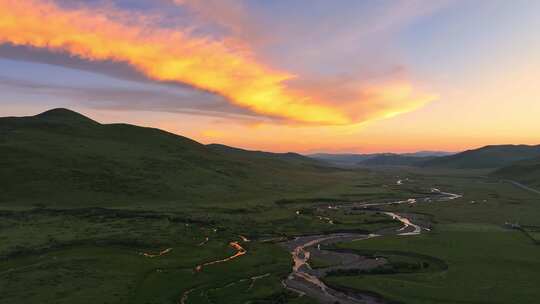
{"x": 486, "y": 157}
{"x": 62, "y": 157}
{"x": 525, "y": 171}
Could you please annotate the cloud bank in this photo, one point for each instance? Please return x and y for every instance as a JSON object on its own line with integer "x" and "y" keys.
{"x": 226, "y": 66}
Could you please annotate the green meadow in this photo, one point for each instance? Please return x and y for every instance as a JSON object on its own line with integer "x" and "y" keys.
{"x": 485, "y": 261}
{"x": 485, "y": 265}
{"x": 86, "y": 210}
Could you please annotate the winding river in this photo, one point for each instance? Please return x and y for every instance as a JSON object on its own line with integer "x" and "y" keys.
{"x": 305, "y": 280}
{"x": 240, "y": 251}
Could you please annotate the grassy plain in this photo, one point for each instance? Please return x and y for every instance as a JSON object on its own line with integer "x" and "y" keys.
{"x": 56, "y": 255}
{"x": 487, "y": 261}
{"x": 93, "y": 254}
{"x": 485, "y": 265}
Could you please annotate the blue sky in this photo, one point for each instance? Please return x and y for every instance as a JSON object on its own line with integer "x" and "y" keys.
{"x": 369, "y": 75}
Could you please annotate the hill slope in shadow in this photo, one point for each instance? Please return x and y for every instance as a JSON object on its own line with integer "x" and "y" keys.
{"x": 63, "y": 157}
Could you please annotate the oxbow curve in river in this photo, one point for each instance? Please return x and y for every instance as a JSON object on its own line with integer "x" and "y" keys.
{"x": 307, "y": 281}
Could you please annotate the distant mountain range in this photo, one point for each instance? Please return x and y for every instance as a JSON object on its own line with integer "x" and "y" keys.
{"x": 378, "y": 159}
{"x": 488, "y": 157}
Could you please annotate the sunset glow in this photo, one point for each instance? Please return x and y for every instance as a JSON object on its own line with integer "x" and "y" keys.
{"x": 173, "y": 55}
{"x": 273, "y": 93}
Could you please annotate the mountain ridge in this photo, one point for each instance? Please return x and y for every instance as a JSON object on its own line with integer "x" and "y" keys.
{"x": 487, "y": 157}
{"x": 376, "y": 159}
{"x": 102, "y": 164}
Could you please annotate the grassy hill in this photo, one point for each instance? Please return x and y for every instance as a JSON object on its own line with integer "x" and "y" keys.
{"x": 526, "y": 172}
{"x": 62, "y": 157}
{"x": 285, "y": 159}
{"x": 486, "y": 157}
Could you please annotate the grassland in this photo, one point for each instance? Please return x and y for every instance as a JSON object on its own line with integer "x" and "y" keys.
{"x": 487, "y": 261}
{"x": 55, "y": 255}
{"x": 485, "y": 265}
{"x": 82, "y": 202}
{"x": 66, "y": 255}
{"x": 526, "y": 172}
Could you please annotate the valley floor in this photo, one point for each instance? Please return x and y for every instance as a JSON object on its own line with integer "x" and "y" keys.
{"x": 481, "y": 247}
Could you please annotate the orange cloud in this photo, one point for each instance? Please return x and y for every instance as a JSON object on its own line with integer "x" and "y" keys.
{"x": 177, "y": 56}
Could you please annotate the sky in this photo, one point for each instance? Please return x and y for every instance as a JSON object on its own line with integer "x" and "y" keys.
{"x": 341, "y": 76}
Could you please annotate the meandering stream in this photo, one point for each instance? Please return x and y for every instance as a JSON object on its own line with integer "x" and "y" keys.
{"x": 240, "y": 251}
{"x": 305, "y": 280}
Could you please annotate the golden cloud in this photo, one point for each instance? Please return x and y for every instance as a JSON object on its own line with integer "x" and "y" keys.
{"x": 177, "y": 56}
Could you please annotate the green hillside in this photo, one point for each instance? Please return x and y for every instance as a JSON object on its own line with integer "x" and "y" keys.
{"x": 284, "y": 159}
{"x": 62, "y": 157}
{"x": 486, "y": 157}
{"x": 526, "y": 172}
